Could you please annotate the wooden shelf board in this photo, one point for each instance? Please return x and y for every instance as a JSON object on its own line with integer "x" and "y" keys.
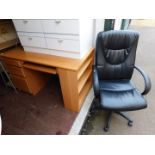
{"x": 85, "y": 90}
{"x": 83, "y": 79}
{"x": 84, "y": 67}
{"x": 40, "y": 68}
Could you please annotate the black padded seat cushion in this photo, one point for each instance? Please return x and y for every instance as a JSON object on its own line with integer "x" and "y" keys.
{"x": 116, "y": 85}
{"x": 120, "y": 96}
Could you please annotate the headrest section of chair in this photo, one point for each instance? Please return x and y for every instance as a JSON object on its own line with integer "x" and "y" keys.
{"x": 117, "y": 44}
{"x": 118, "y": 39}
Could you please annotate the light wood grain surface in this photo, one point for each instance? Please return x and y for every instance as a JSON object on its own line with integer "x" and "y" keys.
{"x": 74, "y": 74}
{"x": 45, "y": 59}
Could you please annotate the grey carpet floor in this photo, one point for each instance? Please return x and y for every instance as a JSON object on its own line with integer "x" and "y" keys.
{"x": 144, "y": 120}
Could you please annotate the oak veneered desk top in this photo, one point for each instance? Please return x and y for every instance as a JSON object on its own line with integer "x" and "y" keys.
{"x": 45, "y": 59}
{"x": 75, "y": 75}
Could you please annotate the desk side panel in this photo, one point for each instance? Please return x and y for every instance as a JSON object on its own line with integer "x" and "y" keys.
{"x": 75, "y": 85}
{"x": 69, "y": 87}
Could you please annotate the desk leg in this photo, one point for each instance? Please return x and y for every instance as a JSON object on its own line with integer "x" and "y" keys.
{"x": 69, "y": 87}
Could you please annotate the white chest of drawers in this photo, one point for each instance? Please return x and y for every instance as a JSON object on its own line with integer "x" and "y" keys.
{"x": 62, "y": 37}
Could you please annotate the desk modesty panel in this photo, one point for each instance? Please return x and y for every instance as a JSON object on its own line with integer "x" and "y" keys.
{"x": 30, "y": 72}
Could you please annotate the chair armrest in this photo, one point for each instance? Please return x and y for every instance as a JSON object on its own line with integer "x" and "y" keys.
{"x": 146, "y": 80}
{"x": 96, "y": 86}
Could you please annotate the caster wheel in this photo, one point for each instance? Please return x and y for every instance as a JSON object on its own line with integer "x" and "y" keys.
{"x": 130, "y": 123}
{"x": 105, "y": 129}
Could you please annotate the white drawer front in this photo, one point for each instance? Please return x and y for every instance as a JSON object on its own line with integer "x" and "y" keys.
{"x": 28, "y": 25}
{"x": 62, "y": 36}
{"x": 64, "y": 26}
{"x": 32, "y": 41}
{"x": 63, "y": 44}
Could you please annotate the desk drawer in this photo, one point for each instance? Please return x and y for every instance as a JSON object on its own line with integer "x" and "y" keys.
{"x": 20, "y": 83}
{"x": 65, "y": 26}
{"x": 12, "y": 62}
{"x": 27, "y": 25}
{"x": 63, "y": 44}
{"x": 32, "y": 41}
{"x": 15, "y": 70}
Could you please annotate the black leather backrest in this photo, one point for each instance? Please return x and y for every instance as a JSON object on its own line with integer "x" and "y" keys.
{"x": 115, "y": 54}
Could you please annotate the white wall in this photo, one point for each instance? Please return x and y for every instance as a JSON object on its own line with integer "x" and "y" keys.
{"x": 98, "y": 27}
{"x": 86, "y": 35}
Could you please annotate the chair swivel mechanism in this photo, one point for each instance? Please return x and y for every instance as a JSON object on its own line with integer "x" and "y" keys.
{"x": 113, "y": 68}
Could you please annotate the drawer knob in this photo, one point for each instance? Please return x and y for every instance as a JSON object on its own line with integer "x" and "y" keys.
{"x": 25, "y": 21}
{"x": 57, "y": 21}
{"x": 60, "y": 41}
{"x": 29, "y": 38}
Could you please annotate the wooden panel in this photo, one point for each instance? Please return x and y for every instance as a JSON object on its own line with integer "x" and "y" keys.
{"x": 83, "y": 79}
{"x": 85, "y": 91}
{"x": 13, "y": 62}
{"x": 36, "y": 80}
{"x": 20, "y": 83}
{"x": 68, "y": 81}
{"x": 76, "y": 84}
{"x": 47, "y": 60}
{"x": 15, "y": 70}
{"x": 84, "y": 67}
{"x": 9, "y": 43}
{"x": 40, "y": 68}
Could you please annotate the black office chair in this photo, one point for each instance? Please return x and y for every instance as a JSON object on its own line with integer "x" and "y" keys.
{"x": 112, "y": 72}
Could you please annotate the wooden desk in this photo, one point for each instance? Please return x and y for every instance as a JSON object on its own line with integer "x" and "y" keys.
{"x": 30, "y": 68}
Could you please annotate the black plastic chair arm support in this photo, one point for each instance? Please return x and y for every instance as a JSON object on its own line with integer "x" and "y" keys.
{"x": 96, "y": 86}
{"x": 146, "y": 80}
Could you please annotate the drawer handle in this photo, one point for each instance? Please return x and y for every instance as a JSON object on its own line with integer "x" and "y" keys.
{"x": 25, "y": 21}
{"x": 60, "y": 41}
{"x": 57, "y": 21}
{"x": 29, "y": 38}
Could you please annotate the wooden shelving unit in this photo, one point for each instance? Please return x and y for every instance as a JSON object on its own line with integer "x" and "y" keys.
{"x": 84, "y": 67}
{"x": 85, "y": 90}
{"x": 84, "y": 77}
